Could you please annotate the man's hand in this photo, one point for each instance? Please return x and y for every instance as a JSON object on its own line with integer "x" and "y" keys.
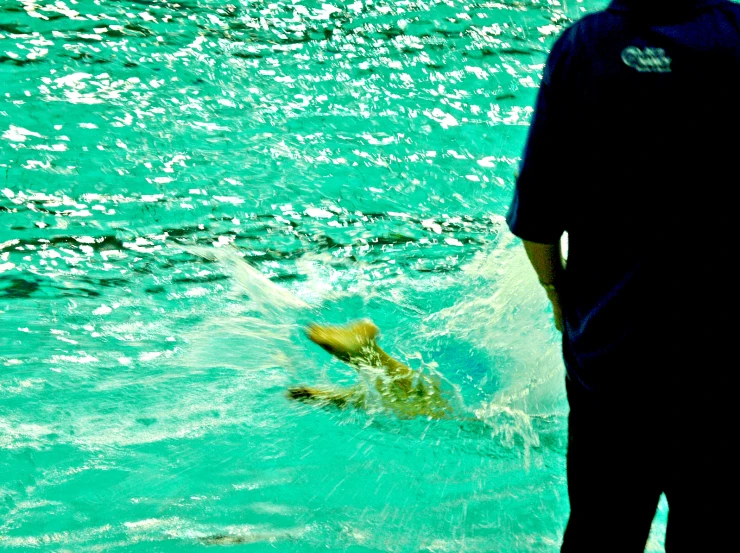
{"x": 547, "y": 261}
{"x": 557, "y": 310}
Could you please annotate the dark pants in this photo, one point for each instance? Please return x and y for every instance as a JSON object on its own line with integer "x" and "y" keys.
{"x": 624, "y": 452}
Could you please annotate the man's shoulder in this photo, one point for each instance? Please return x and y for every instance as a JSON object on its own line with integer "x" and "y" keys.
{"x": 574, "y": 38}
{"x": 732, "y": 6}
{"x": 579, "y": 32}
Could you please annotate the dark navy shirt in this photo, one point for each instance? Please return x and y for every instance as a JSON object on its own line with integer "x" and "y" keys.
{"x": 634, "y": 151}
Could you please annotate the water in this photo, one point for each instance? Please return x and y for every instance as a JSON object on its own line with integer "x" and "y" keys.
{"x": 159, "y": 160}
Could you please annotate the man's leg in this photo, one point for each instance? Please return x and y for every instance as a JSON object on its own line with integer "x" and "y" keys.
{"x": 613, "y": 484}
{"x": 702, "y": 484}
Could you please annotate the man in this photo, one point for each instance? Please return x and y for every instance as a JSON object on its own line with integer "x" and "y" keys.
{"x": 632, "y": 151}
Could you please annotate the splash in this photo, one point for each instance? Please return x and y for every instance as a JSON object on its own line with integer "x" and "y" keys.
{"x": 268, "y": 297}
{"x": 513, "y": 319}
{"x": 256, "y": 329}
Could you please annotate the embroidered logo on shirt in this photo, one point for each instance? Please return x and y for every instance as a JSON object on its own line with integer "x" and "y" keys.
{"x": 647, "y": 60}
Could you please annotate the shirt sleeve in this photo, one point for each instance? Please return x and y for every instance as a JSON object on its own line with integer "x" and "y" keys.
{"x": 536, "y": 212}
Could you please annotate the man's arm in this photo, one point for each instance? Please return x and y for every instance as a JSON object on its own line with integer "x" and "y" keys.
{"x": 547, "y": 261}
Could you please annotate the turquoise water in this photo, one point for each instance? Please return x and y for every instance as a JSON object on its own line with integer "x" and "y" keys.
{"x": 358, "y": 154}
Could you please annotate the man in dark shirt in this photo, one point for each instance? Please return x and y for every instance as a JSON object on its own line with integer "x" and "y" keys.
{"x": 632, "y": 152}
